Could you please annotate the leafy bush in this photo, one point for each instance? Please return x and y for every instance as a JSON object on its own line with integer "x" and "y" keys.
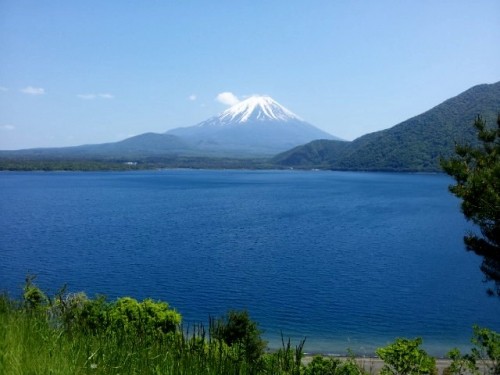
{"x": 322, "y": 366}
{"x": 146, "y": 317}
{"x": 33, "y": 297}
{"x": 404, "y": 357}
{"x": 350, "y": 367}
{"x": 460, "y": 364}
{"x": 487, "y": 348}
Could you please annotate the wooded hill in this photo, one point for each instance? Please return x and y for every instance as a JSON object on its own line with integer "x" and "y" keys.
{"x": 416, "y": 144}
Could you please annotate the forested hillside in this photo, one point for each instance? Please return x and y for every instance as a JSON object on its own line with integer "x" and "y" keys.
{"x": 416, "y": 144}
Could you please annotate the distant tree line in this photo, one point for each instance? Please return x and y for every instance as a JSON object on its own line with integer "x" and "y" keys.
{"x": 86, "y": 164}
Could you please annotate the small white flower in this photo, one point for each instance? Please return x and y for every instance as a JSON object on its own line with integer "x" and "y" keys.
{"x": 93, "y": 366}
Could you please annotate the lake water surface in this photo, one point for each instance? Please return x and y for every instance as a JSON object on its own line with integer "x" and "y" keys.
{"x": 348, "y": 260}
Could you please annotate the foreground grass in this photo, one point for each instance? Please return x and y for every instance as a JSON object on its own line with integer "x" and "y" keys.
{"x": 31, "y": 347}
{"x": 31, "y": 344}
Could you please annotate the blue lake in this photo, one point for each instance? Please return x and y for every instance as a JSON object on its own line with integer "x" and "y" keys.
{"x": 348, "y": 260}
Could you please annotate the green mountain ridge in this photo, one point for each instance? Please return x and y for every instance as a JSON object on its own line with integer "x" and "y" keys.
{"x": 416, "y": 144}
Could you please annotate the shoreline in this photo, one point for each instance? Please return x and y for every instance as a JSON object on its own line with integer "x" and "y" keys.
{"x": 373, "y": 365}
{"x": 437, "y": 349}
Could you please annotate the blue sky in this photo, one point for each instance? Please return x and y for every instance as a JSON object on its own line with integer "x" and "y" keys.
{"x": 76, "y": 72}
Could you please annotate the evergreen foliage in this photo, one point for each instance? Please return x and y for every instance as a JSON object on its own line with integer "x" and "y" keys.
{"x": 476, "y": 170}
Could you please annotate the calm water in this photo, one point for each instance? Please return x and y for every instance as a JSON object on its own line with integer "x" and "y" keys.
{"x": 350, "y": 260}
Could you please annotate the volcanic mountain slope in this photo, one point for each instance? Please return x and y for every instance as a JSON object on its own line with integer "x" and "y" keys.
{"x": 147, "y": 144}
{"x": 257, "y": 125}
{"x": 416, "y": 144}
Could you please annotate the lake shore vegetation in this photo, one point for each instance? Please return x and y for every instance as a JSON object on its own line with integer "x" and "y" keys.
{"x": 70, "y": 333}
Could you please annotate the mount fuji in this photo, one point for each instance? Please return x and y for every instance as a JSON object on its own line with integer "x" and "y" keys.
{"x": 258, "y": 125}
{"x": 255, "y": 127}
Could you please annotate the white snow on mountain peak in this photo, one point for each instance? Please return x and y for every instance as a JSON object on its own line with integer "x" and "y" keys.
{"x": 260, "y": 108}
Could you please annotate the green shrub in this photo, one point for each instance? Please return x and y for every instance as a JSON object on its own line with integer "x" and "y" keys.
{"x": 68, "y": 308}
{"x": 146, "y": 317}
{"x": 236, "y": 329}
{"x": 91, "y": 317}
{"x": 460, "y": 364}
{"x": 350, "y": 367}
{"x": 404, "y": 357}
{"x": 33, "y": 297}
{"x": 286, "y": 360}
{"x": 322, "y": 366}
{"x": 159, "y": 316}
{"x": 487, "y": 348}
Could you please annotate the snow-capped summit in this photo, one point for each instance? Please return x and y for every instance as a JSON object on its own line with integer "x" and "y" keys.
{"x": 257, "y": 125}
{"x": 260, "y": 108}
